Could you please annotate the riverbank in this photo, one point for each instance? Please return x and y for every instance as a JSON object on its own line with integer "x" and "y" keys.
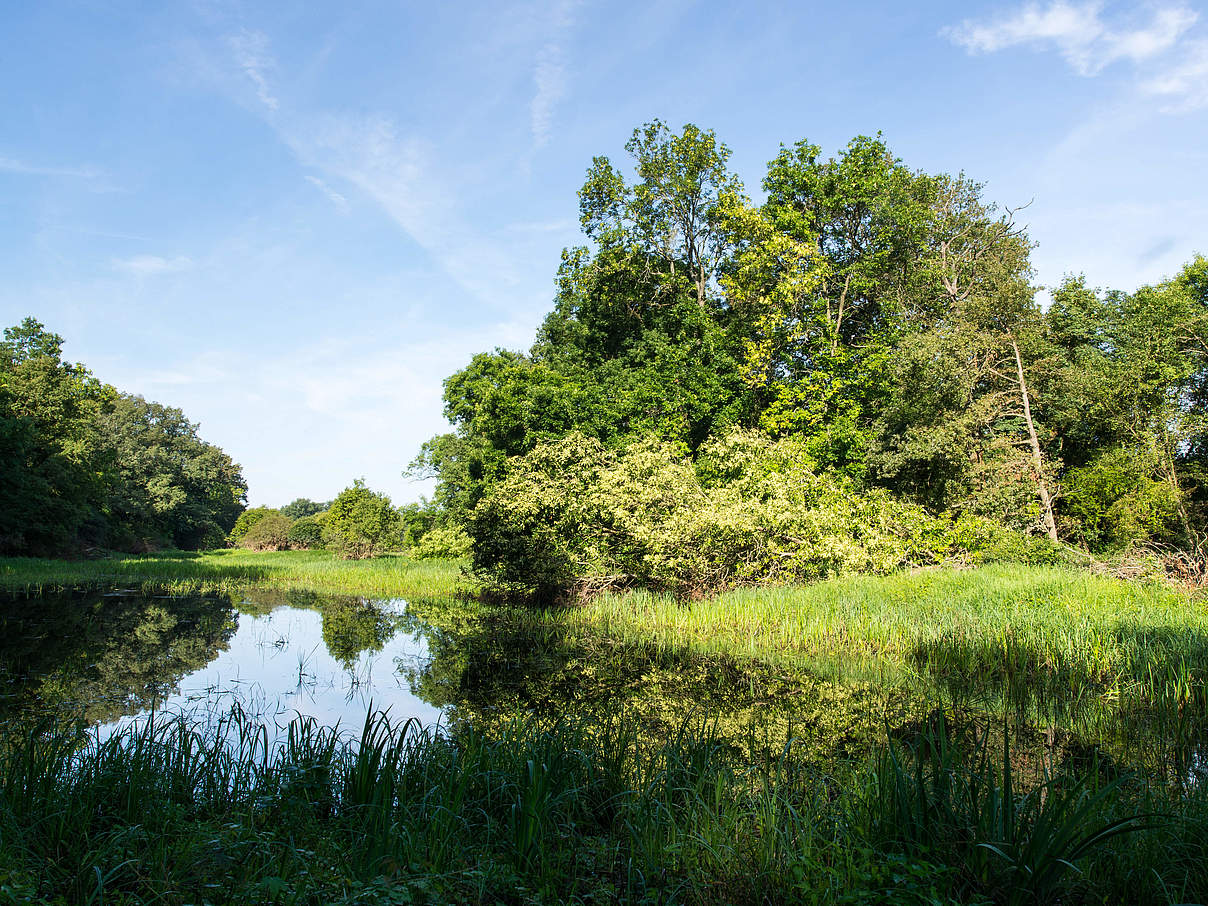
{"x": 224, "y": 571}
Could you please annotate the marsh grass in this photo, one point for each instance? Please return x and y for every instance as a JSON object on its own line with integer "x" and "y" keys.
{"x": 997, "y": 623}
{"x": 224, "y": 571}
{"x": 571, "y": 811}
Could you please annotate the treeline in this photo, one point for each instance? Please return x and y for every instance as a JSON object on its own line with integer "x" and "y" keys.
{"x": 86, "y": 466}
{"x": 358, "y": 523}
{"x": 877, "y": 327}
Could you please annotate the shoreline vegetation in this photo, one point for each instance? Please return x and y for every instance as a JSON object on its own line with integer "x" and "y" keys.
{"x": 573, "y": 811}
{"x": 529, "y": 809}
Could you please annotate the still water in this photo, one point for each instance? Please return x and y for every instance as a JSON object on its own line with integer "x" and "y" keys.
{"x": 115, "y": 658}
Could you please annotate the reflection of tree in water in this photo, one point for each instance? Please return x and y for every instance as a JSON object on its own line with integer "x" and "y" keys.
{"x": 106, "y": 656}
{"x": 353, "y": 626}
{"x": 486, "y": 668}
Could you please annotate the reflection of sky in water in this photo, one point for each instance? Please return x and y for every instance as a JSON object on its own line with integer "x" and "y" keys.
{"x": 277, "y": 667}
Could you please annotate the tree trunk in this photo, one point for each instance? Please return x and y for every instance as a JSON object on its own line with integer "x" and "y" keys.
{"x": 1042, "y": 489}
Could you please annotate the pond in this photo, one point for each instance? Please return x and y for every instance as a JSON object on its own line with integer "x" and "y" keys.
{"x": 115, "y": 658}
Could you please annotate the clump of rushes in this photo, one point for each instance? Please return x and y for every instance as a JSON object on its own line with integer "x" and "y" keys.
{"x": 578, "y": 811}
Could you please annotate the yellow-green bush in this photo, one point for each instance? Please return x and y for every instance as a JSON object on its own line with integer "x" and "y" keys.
{"x": 575, "y": 515}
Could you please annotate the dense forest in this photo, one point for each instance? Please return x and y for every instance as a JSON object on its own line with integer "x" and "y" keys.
{"x": 86, "y": 466}
{"x": 855, "y": 374}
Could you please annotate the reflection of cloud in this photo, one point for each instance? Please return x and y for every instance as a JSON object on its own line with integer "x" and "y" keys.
{"x": 1077, "y": 31}
{"x": 151, "y": 265}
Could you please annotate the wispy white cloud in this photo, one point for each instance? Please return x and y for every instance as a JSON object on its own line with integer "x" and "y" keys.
{"x": 336, "y": 198}
{"x": 549, "y": 73}
{"x": 12, "y": 165}
{"x": 151, "y": 265}
{"x": 1078, "y": 31}
{"x": 252, "y": 56}
{"x": 1184, "y": 84}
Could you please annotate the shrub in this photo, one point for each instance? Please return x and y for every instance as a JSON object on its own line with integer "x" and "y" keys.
{"x": 269, "y": 533}
{"x": 1116, "y": 500}
{"x": 361, "y": 523}
{"x": 244, "y": 523}
{"x": 574, "y": 515}
{"x": 445, "y": 541}
{"x": 306, "y": 533}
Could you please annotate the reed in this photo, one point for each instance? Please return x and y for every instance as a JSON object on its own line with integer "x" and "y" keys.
{"x": 573, "y": 811}
{"x": 998, "y": 622}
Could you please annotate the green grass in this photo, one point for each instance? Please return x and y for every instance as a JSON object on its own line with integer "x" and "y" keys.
{"x": 386, "y": 576}
{"x": 571, "y": 812}
{"x": 999, "y": 621}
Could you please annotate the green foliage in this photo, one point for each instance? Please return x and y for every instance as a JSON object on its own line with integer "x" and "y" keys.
{"x": 576, "y": 515}
{"x": 361, "y": 523}
{"x": 302, "y": 507}
{"x": 244, "y": 523}
{"x": 168, "y": 487}
{"x": 1117, "y": 500}
{"x": 305, "y": 533}
{"x": 86, "y": 466}
{"x": 444, "y": 542}
{"x": 269, "y": 533}
{"x": 51, "y": 448}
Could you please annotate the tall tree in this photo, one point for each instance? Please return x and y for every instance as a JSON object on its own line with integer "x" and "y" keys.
{"x": 50, "y": 448}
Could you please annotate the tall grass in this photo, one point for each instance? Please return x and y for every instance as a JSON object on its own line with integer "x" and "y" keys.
{"x": 996, "y": 622}
{"x": 386, "y": 576}
{"x": 580, "y": 812}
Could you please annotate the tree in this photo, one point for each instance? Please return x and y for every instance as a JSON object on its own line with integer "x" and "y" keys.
{"x": 361, "y": 523}
{"x": 666, "y": 218}
{"x": 51, "y": 450}
{"x": 300, "y": 507}
{"x": 167, "y": 486}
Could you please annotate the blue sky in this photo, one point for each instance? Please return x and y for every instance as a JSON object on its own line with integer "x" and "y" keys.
{"x": 294, "y": 220}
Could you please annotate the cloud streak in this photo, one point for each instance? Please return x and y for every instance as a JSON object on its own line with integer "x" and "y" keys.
{"x": 151, "y": 265}
{"x": 251, "y": 50}
{"x": 1078, "y": 32}
{"x": 549, "y": 75}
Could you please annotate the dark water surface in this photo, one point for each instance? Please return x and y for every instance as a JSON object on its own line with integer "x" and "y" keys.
{"x": 118, "y": 657}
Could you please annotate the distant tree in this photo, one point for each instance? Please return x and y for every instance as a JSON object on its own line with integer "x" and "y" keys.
{"x": 268, "y": 534}
{"x": 302, "y": 506}
{"x": 362, "y": 523}
{"x": 167, "y": 486}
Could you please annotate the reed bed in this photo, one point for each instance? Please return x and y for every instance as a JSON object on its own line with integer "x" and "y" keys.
{"x": 385, "y": 576}
{"x": 571, "y": 812}
{"x": 995, "y": 622}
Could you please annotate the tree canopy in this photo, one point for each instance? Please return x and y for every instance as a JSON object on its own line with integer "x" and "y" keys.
{"x": 881, "y": 317}
{"x": 88, "y": 466}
